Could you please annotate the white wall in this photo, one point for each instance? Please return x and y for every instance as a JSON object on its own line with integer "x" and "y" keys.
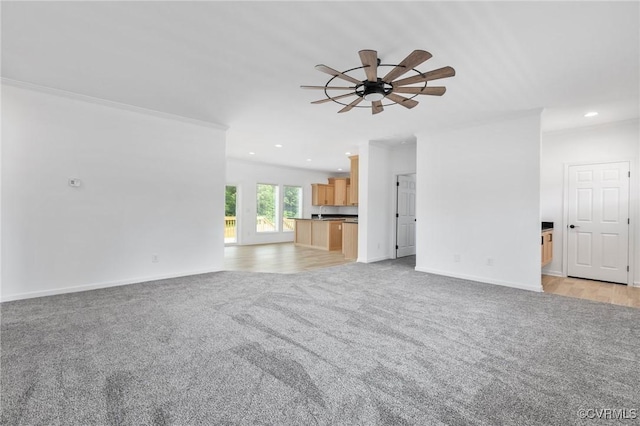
{"x": 374, "y": 198}
{"x": 610, "y": 142}
{"x": 403, "y": 162}
{"x": 478, "y": 197}
{"x": 403, "y": 159}
{"x": 247, "y": 175}
{"x": 150, "y": 185}
{"x": 379, "y": 166}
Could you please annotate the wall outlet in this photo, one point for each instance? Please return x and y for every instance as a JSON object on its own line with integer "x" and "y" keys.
{"x": 456, "y": 258}
{"x": 489, "y": 261}
{"x": 154, "y": 258}
{"x": 75, "y": 182}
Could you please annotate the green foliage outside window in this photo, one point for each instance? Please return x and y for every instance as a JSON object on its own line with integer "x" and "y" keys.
{"x": 230, "y": 201}
{"x": 292, "y": 201}
{"x": 266, "y": 212}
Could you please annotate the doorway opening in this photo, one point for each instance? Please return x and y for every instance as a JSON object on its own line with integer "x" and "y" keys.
{"x": 406, "y": 215}
{"x": 597, "y": 215}
{"x": 230, "y": 218}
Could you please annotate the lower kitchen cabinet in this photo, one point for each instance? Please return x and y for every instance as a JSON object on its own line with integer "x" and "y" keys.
{"x": 320, "y": 234}
{"x": 303, "y": 232}
{"x": 350, "y": 240}
{"x": 546, "y": 247}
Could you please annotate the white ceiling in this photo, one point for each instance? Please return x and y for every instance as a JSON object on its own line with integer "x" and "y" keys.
{"x": 240, "y": 64}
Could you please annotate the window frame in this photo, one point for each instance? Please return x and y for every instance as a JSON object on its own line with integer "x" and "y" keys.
{"x": 300, "y": 206}
{"x": 277, "y": 203}
{"x": 238, "y": 209}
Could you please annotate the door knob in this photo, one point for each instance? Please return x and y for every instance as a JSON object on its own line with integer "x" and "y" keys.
{"x": 573, "y": 226}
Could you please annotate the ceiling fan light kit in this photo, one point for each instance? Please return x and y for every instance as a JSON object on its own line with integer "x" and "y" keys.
{"x": 376, "y": 90}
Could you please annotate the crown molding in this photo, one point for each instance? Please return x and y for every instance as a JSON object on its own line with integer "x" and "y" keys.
{"x": 497, "y": 118}
{"x": 591, "y": 127}
{"x": 111, "y": 104}
{"x": 331, "y": 172}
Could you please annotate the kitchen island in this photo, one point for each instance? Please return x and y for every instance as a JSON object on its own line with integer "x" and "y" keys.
{"x": 323, "y": 234}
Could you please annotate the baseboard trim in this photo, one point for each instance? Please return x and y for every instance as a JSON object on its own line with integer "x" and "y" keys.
{"x": 553, "y": 273}
{"x": 480, "y": 279}
{"x": 106, "y": 284}
{"x": 636, "y": 284}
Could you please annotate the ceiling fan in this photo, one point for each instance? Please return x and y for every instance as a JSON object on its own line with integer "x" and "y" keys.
{"x": 375, "y": 89}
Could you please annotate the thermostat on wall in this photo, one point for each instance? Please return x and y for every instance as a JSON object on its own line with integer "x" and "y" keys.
{"x": 74, "y": 182}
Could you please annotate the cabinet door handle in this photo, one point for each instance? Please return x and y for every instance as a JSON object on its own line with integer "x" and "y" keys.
{"x": 541, "y": 240}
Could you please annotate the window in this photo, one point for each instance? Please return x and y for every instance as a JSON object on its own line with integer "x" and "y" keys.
{"x": 267, "y": 208}
{"x": 292, "y": 202}
{"x": 230, "y": 222}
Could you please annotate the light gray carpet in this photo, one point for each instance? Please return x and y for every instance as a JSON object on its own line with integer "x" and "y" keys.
{"x": 354, "y": 344}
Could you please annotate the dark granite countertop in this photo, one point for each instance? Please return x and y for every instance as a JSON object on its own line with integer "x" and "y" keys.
{"x": 335, "y": 215}
{"x": 547, "y": 226}
{"x": 347, "y": 218}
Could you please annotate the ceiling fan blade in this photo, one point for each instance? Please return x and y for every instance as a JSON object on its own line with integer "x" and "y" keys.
{"x": 369, "y": 59}
{"x": 435, "y": 90}
{"x": 376, "y": 107}
{"x": 405, "y": 102}
{"x": 351, "y": 105}
{"x": 321, "y": 101}
{"x": 414, "y": 59}
{"x": 335, "y": 73}
{"x": 428, "y": 76}
{"x": 328, "y": 87}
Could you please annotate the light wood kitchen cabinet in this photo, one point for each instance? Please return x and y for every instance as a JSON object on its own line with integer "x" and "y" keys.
{"x": 340, "y": 191}
{"x": 350, "y": 240}
{"x": 335, "y": 235}
{"x": 546, "y": 247}
{"x": 320, "y": 234}
{"x": 322, "y": 194}
{"x": 354, "y": 181}
{"x": 303, "y": 232}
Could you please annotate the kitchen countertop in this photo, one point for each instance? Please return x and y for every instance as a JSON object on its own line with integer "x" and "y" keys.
{"x": 547, "y": 226}
{"x": 330, "y": 219}
{"x": 335, "y": 215}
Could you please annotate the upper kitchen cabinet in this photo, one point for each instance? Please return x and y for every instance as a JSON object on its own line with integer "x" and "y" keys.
{"x": 322, "y": 194}
{"x": 340, "y": 191}
{"x": 353, "y": 187}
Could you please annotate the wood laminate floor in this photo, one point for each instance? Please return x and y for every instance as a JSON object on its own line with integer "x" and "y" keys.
{"x": 284, "y": 258}
{"x": 592, "y": 290}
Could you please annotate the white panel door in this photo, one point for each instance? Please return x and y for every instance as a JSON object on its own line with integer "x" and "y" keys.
{"x": 406, "y": 216}
{"x": 598, "y": 244}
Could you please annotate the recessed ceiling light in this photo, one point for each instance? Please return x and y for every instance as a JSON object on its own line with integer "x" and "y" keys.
{"x": 308, "y": 159}
{"x": 252, "y": 153}
{"x": 278, "y": 145}
{"x": 591, "y": 114}
{"x": 347, "y": 153}
{"x": 339, "y": 170}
